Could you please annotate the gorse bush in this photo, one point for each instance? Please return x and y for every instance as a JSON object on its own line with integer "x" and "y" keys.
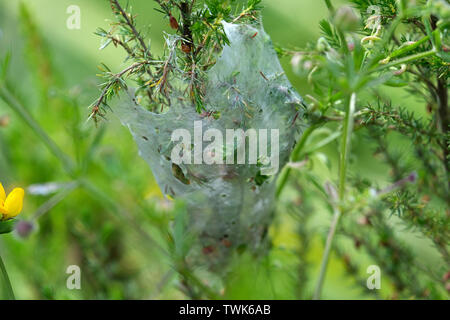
{"x": 365, "y": 47}
{"x": 364, "y": 156}
{"x": 190, "y": 53}
{"x": 229, "y": 205}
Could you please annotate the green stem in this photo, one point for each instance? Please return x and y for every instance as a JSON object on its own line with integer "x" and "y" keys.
{"x": 407, "y": 59}
{"x": 329, "y": 6}
{"x": 56, "y": 199}
{"x": 410, "y": 47}
{"x": 120, "y": 213}
{"x": 14, "y": 104}
{"x": 294, "y": 157}
{"x": 326, "y": 254}
{"x": 345, "y": 150}
{"x": 8, "y": 285}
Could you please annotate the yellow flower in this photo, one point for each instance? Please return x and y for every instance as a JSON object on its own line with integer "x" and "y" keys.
{"x": 12, "y": 205}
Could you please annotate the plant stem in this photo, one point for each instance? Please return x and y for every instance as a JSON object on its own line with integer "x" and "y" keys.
{"x": 8, "y": 285}
{"x": 133, "y": 28}
{"x": 329, "y": 5}
{"x": 56, "y": 199}
{"x": 443, "y": 118}
{"x": 405, "y": 49}
{"x": 120, "y": 213}
{"x": 14, "y": 104}
{"x": 407, "y": 59}
{"x": 113, "y": 81}
{"x": 326, "y": 254}
{"x": 345, "y": 148}
{"x": 294, "y": 157}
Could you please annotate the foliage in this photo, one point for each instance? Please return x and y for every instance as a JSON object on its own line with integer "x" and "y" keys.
{"x": 375, "y": 162}
{"x": 200, "y": 35}
{"x": 403, "y": 45}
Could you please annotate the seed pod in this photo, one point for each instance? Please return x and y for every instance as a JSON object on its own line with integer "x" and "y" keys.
{"x": 173, "y": 23}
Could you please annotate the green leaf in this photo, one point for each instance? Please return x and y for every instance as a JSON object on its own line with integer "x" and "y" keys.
{"x": 7, "y": 226}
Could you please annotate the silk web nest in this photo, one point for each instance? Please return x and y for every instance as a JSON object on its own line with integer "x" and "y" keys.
{"x": 228, "y": 206}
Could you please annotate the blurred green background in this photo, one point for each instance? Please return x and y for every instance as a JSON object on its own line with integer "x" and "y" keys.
{"x": 108, "y": 225}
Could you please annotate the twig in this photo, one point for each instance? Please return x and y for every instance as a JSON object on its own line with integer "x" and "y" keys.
{"x": 101, "y": 99}
{"x": 131, "y": 25}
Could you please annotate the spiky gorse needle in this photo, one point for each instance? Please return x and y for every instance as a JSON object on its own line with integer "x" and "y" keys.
{"x": 190, "y": 51}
